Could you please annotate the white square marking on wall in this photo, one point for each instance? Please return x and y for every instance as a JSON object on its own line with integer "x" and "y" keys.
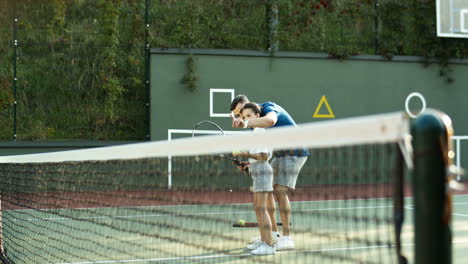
{"x": 214, "y": 91}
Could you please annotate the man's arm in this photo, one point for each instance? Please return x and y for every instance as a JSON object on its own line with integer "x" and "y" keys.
{"x": 257, "y": 156}
{"x": 268, "y": 120}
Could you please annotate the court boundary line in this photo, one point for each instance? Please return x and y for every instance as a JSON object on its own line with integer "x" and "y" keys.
{"x": 456, "y": 214}
{"x": 194, "y": 214}
{"x": 208, "y": 213}
{"x": 180, "y": 205}
{"x": 124, "y": 207}
{"x": 232, "y": 255}
{"x": 462, "y": 215}
{"x": 247, "y": 254}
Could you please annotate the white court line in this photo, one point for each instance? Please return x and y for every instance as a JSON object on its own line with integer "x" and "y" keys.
{"x": 245, "y": 254}
{"x": 464, "y": 215}
{"x": 231, "y": 255}
{"x": 184, "y": 205}
{"x": 152, "y": 206}
{"x": 218, "y": 213}
{"x": 345, "y": 208}
{"x": 169, "y": 214}
{"x": 124, "y": 216}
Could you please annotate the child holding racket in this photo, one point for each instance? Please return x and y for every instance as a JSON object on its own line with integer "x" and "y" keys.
{"x": 262, "y": 176}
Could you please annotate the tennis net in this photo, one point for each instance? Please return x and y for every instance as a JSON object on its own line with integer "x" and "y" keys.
{"x": 178, "y": 201}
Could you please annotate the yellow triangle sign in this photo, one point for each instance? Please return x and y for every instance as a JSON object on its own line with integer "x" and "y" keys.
{"x": 330, "y": 114}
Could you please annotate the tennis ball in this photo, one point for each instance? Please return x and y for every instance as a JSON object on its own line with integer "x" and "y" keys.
{"x": 241, "y": 222}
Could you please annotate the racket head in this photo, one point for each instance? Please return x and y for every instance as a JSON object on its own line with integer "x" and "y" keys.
{"x": 206, "y": 122}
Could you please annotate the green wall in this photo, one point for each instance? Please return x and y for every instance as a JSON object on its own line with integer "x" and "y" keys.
{"x": 359, "y": 86}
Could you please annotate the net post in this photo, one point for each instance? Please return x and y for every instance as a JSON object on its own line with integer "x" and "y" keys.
{"x": 399, "y": 207}
{"x": 431, "y": 133}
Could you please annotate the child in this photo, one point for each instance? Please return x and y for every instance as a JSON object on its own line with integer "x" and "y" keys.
{"x": 262, "y": 176}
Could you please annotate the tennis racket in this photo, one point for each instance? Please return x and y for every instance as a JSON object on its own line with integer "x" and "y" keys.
{"x": 251, "y": 225}
{"x": 236, "y": 162}
{"x": 206, "y": 122}
{"x": 233, "y": 159}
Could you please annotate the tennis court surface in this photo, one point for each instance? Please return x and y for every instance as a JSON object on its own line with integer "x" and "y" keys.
{"x": 176, "y": 202}
{"x": 323, "y": 240}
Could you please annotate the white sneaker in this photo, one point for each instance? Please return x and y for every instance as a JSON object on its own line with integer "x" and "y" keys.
{"x": 275, "y": 236}
{"x": 254, "y": 239}
{"x": 284, "y": 243}
{"x": 255, "y": 244}
{"x": 264, "y": 249}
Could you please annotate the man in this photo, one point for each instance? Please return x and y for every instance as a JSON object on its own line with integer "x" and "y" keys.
{"x": 286, "y": 164}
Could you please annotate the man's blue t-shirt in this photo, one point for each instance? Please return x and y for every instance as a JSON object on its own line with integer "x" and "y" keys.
{"x": 284, "y": 119}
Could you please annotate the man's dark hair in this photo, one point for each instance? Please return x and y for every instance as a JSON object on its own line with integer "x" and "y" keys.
{"x": 239, "y": 99}
{"x": 253, "y": 106}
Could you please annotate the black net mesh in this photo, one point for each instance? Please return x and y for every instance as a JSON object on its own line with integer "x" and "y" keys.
{"x": 122, "y": 211}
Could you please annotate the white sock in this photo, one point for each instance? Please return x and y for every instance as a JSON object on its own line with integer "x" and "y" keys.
{"x": 275, "y": 234}
{"x": 286, "y": 237}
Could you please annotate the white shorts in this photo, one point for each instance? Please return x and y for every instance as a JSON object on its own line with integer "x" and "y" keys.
{"x": 286, "y": 170}
{"x": 262, "y": 176}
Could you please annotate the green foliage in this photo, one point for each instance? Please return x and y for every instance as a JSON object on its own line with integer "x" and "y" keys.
{"x": 233, "y": 24}
{"x": 80, "y": 71}
{"x": 81, "y": 65}
{"x": 340, "y": 28}
{"x": 190, "y": 78}
{"x": 393, "y": 28}
{"x": 6, "y": 96}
